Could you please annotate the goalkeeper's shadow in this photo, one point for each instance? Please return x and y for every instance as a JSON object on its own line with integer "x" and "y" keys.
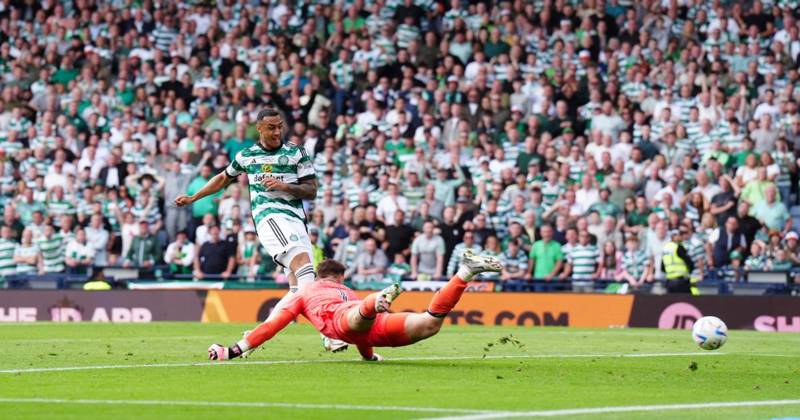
{"x": 426, "y": 364}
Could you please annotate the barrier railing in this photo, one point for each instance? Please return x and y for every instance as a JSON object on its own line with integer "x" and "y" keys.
{"x": 754, "y": 282}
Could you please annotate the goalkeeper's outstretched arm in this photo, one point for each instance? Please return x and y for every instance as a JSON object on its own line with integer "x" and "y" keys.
{"x": 267, "y": 330}
{"x": 214, "y": 185}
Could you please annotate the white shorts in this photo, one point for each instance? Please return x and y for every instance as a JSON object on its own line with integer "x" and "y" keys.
{"x": 279, "y": 235}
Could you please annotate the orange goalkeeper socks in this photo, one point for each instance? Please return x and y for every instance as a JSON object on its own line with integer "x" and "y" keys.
{"x": 367, "y": 308}
{"x": 445, "y": 299}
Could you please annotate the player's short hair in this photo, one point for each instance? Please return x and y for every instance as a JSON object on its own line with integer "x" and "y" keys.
{"x": 330, "y": 268}
{"x": 267, "y": 112}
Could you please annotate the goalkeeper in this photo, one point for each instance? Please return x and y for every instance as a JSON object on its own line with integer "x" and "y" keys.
{"x": 336, "y": 312}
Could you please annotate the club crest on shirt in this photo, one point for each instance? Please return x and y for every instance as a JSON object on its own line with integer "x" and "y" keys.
{"x": 293, "y": 238}
{"x": 283, "y": 160}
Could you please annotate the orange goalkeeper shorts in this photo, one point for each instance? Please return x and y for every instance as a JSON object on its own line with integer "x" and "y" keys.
{"x": 388, "y": 330}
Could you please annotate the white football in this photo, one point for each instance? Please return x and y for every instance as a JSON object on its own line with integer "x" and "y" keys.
{"x": 710, "y": 333}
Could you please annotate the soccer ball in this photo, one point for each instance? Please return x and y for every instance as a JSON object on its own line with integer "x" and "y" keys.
{"x": 710, "y": 333}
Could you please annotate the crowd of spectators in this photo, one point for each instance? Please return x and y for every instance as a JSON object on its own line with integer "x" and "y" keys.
{"x": 572, "y": 139}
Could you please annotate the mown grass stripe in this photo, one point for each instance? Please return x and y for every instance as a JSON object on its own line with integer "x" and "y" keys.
{"x": 319, "y": 361}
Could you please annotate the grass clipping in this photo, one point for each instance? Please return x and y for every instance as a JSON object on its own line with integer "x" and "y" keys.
{"x": 508, "y": 340}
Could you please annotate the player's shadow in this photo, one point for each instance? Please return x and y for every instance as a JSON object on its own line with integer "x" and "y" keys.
{"x": 426, "y": 364}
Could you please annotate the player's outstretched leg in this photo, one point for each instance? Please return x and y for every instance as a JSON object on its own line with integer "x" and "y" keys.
{"x": 361, "y": 317}
{"x": 421, "y": 326}
{"x": 404, "y": 328}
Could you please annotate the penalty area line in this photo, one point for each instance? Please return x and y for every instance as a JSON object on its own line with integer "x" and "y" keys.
{"x": 320, "y": 361}
{"x": 255, "y": 404}
{"x": 620, "y": 409}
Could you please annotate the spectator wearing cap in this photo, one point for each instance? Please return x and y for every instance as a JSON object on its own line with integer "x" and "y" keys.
{"x": 215, "y": 257}
{"x": 180, "y": 254}
{"x": 791, "y": 242}
{"x": 144, "y": 251}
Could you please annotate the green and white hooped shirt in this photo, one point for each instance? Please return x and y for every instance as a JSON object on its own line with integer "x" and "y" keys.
{"x": 288, "y": 164}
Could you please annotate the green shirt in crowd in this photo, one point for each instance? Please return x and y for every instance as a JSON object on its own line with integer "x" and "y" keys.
{"x": 205, "y": 205}
{"x": 545, "y": 256}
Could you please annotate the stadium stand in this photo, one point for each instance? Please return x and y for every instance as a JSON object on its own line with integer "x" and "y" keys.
{"x": 577, "y": 140}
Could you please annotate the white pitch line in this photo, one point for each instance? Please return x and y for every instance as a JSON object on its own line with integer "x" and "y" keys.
{"x": 79, "y": 340}
{"x": 619, "y": 409}
{"x": 769, "y": 355}
{"x": 255, "y": 404}
{"x": 469, "y": 414}
{"x": 305, "y": 362}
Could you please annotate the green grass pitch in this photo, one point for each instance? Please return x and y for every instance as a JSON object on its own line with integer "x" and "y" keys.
{"x": 159, "y": 371}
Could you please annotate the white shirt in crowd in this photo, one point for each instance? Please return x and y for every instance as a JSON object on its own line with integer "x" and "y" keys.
{"x": 201, "y": 235}
{"x": 182, "y": 255}
{"x": 389, "y": 205}
{"x": 79, "y": 251}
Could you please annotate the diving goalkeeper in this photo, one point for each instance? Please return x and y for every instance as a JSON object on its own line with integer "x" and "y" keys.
{"x": 336, "y": 312}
